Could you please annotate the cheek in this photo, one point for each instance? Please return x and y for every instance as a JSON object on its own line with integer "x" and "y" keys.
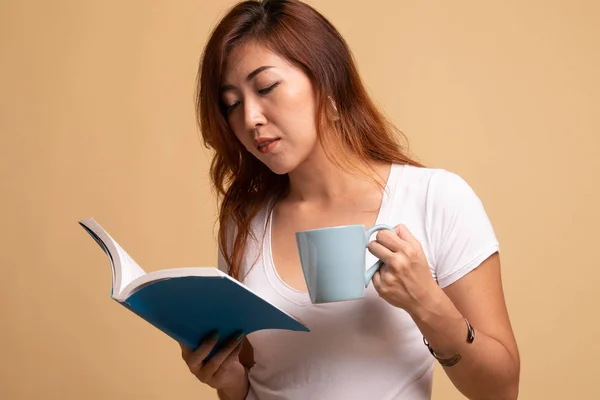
{"x": 240, "y": 133}
{"x": 296, "y": 114}
{"x": 302, "y": 102}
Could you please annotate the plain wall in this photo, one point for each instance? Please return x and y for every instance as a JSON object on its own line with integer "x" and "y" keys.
{"x": 97, "y": 120}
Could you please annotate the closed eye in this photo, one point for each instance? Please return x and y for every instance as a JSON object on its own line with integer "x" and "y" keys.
{"x": 268, "y": 88}
{"x": 262, "y": 92}
{"x": 230, "y": 108}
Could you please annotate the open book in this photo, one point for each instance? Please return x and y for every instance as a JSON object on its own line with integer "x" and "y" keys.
{"x": 188, "y": 303}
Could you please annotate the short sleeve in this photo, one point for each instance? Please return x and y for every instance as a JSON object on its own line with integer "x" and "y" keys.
{"x": 459, "y": 230}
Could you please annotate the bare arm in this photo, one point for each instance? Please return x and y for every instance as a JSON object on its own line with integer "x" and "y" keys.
{"x": 490, "y": 366}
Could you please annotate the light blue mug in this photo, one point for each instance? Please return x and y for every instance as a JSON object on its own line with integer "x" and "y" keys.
{"x": 333, "y": 261}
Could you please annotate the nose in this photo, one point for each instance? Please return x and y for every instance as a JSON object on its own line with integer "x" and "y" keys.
{"x": 253, "y": 115}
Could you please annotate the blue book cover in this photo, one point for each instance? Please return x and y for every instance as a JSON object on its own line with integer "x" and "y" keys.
{"x": 188, "y": 303}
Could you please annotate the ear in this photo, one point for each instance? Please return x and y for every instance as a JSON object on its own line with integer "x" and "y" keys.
{"x": 332, "y": 109}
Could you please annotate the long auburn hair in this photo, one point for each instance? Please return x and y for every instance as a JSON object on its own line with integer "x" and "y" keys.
{"x": 300, "y": 34}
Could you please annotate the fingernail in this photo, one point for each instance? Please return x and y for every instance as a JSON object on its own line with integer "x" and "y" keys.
{"x": 239, "y": 335}
{"x": 214, "y": 335}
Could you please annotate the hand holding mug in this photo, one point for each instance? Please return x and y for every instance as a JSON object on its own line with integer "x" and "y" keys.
{"x": 404, "y": 280}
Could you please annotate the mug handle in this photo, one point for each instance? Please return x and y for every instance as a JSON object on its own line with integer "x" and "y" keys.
{"x": 371, "y": 271}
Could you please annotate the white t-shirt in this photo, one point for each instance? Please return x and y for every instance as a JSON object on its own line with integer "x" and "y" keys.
{"x": 366, "y": 348}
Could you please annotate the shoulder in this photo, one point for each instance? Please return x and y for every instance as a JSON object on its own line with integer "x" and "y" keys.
{"x": 436, "y": 187}
{"x": 445, "y": 197}
{"x": 449, "y": 189}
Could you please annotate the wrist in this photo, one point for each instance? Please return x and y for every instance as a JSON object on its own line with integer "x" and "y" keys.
{"x": 441, "y": 324}
{"x": 237, "y": 389}
{"x": 428, "y": 307}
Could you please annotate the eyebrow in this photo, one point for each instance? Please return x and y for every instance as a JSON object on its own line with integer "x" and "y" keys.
{"x": 250, "y": 76}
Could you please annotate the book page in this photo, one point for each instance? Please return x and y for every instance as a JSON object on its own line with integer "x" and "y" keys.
{"x": 125, "y": 269}
{"x": 169, "y": 273}
{"x": 131, "y": 271}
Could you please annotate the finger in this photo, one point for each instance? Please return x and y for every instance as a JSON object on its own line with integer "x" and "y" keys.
{"x": 405, "y": 234}
{"x": 392, "y": 262}
{"x": 197, "y": 357}
{"x": 393, "y": 242}
{"x": 185, "y": 351}
{"x": 380, "y": 251}
{"x": 377, "y": 281}
{"x": 233, "y": 356}
{"x": 212, "y": 365}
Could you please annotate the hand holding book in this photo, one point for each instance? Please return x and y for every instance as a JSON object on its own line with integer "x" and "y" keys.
{"x": 224, "y": 370}
{"x": 188, "y": 303}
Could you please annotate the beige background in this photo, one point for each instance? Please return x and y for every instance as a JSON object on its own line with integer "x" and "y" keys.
{"x": 96, "y": 119}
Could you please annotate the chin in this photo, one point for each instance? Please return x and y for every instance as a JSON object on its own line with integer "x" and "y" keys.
{"x": 281, "y": 167}
{"x": 280, "y": 170}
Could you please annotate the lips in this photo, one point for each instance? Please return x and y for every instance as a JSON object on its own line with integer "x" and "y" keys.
{"x": 265, "y": 145}
{"x": 263, "y": 142}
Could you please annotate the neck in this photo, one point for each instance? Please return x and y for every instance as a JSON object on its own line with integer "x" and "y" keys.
{"x": 318, "y": 180}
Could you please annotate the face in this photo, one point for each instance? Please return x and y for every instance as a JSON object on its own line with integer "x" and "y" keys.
{"x": 270, "y": 106}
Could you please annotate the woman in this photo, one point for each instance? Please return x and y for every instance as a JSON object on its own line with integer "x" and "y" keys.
{"x": 298, "y": 145}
